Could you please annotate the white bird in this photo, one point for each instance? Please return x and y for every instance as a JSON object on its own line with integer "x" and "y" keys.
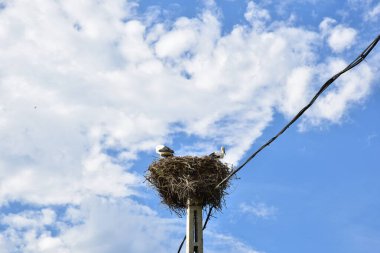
{"x": 219, "y": 154}
{"x": 164, "y": 151}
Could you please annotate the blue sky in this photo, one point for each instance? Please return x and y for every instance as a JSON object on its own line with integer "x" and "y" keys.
{"x": 88, "y": 89}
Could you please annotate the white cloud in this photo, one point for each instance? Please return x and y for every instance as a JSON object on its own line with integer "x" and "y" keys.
{"x": 27, "y": 219}
{"x": 339, "y": 37}
{"x": 256, "y": 16}
{"x": 296, "y": 90}
{"x": 126, "y": 226}
{"x": 180, "y": 39}
{"x": 225, "y": 243}
{"x": 352, "y": 88}
{"x": 374, "y": 12}
{"x": 106, "y": 226}
{"x": 28, "y": 232}
{"x": 259, "y": 210}
{"x": 85, "y": 86}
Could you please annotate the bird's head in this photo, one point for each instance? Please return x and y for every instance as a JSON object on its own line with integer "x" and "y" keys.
{"x": 223, "y": 150}
{"x": 158, "y": 147}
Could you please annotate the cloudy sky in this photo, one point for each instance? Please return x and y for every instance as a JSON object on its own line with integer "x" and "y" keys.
{"x": 89, "y": 88}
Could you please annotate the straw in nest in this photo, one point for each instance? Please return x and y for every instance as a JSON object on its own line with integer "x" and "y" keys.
{"x": 178, "y": 179}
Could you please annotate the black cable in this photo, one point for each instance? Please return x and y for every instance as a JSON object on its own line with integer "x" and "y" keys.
{"x": 358, "y": 60}
{"x": 180, "y": 246}
{"x": 353, "y": 64}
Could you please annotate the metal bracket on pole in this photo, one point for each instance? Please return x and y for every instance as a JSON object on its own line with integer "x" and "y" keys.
{"x": 194, "y": 231}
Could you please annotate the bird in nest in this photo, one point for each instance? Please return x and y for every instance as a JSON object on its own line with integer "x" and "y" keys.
{"x": 164, "y": 151}
{"x": 219, "y": 154}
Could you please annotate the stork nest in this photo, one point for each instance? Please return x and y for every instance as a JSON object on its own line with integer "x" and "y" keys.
{"x": 178, "y": 179}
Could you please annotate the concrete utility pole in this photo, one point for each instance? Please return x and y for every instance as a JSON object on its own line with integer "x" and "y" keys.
{"x": 194, "y": 231}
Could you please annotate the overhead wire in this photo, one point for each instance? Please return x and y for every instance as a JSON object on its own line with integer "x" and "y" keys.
{"x": 353, "y": 64}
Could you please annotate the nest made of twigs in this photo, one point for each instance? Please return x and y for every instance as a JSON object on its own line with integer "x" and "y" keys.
{"x": 178, "y": 179}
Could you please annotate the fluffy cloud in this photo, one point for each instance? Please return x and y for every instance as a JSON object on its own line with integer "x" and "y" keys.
{"x": 256, "y": 16}
{"x": 101, "y": 225}
{"x": 351, "y": 89}
{"x": 339, "y": 37}
{"x": 226, "y": 243}
{"x": 374, "y": 13}
{"x": 259, "y": 210}
{"x": 105, "y": 226}
{"x": 86, "y": 86}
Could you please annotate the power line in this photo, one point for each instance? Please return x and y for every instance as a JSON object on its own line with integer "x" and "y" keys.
{"x": 354, "y": 63}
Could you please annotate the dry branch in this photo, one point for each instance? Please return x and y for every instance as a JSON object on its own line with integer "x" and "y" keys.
{"x": 178, "y": 179}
